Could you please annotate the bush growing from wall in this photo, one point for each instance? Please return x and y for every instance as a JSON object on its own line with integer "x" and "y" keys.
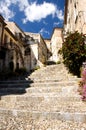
{"x": 74, "y": 52}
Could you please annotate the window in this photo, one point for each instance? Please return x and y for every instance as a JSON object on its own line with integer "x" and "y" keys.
{"x": 5, "y": 39}
{"x": 75, "y": 5}
{"x": 27, "y": 51}
{"x": 11, "y": 43}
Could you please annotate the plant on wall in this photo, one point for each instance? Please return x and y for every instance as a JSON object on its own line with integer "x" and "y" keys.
{"x": 74, "y": 52}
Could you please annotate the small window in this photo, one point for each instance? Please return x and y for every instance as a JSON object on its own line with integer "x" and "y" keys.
{"x": 5, "y": 39}
{"x": 75, "y": 5}
{"x": 27, "y": 51}
{"x": 76, "y": 19}
{"x": 11, "y": 43}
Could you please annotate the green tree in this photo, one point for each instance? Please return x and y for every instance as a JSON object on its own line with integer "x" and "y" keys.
{"x": 74, "y": 52}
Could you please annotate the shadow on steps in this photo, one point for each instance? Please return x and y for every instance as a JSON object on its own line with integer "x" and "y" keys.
{"x": 14, "y": 86}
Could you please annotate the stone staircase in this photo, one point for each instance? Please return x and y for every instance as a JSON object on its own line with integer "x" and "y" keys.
{"x": 50, "y": 102}
{"x": 13, "y": 86}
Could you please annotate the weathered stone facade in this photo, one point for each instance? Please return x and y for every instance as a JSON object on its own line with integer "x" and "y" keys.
{"x": 25, "y": 49}
{"x": 75, "y": 16}
{"x": 56, "y": 44}
{"x": 14, "y": 50}
{"x": 19, "y": 49}
{"x": 38, "y": 50}
{"x": 22, "y": 56}
{"x": 48, "y": 44}
{"x": 2, "y": 48}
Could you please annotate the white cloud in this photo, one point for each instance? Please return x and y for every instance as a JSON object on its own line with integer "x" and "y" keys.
{"x": 45, "y": 23}
{"x": 23, "y": 4}
{"x": 36, "y": 12}
{"x": 60, "y": 15}
{"x": 32, "y": 11}
{"x": 56, "y": 23}
{"x": 43, "y": 31}
{"x": 4, "y": 9}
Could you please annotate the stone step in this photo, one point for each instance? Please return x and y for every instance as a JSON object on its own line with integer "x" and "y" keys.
{"x": 13, "y": 90}
{"x": 53, "y": 83}
{"x": 13, "y": 81}
{"x": 53, "y": 79}
{"x": 25, "y": 123}
{"x": 43, "y": 96}
{"x": 45, "y": 88}
{"x": 51, "y": 88}
{"x": 51, "y": 94}
{"x": 14, "y": 85}
{"x": 47, "y": 103}
{"x": 26, "y": 116}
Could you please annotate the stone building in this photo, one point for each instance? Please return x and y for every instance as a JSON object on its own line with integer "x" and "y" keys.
{"x": 22, "y": 56}
{"x": 19, "y": 49}
{"x": 56, "y": 44}
{"x": 2, "y": 46}
{"x": 48, "y": 44}
{"x": 14, "y": 47}
{"x": 75, "y": 16}
{"x": 38, "y": 50}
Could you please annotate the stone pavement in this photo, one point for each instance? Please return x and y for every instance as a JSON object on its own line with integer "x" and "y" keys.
{"x": 50, "y": 102}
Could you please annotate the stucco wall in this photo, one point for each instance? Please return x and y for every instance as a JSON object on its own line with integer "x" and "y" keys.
{"x": 14, "y": 28}
{"x": 75, "y": 16}
{"x": 14, "y": 52}
{"x": 42, "y": 48}
{"x": 34, "y": 55}
{"x": 56, "y": 44}
{"x": 48, "y": 43}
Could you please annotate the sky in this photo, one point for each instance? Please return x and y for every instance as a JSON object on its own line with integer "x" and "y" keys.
{"x": 36, "y": 16}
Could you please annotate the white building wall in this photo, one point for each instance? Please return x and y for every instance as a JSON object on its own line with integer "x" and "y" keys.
{"x": 75, "y": 16}
{"x": 34, "y": 55}
{"x": 56, "y": 44}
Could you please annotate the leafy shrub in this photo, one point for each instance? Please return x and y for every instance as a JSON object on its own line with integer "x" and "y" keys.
{"x": 58, "y": 62}
{"x": 74, "y": 52}
{"x": 37, "y": 67}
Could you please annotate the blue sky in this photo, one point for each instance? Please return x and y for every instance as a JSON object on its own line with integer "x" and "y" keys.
{"x": 37, "y": 16}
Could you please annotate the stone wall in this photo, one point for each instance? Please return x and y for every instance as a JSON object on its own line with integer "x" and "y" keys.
{"x": 56, "y": 44}
{"x": 2, "y": 52}
{"x": 38, "y": 50}
{"x": 34, "y": 55}
{"x": 42, "y": 50}
{"x": 75, "y": 16}
{"x": 14, "y": 51}
{"x": 48, "y": 44}
{"x": 15, "y": 29}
